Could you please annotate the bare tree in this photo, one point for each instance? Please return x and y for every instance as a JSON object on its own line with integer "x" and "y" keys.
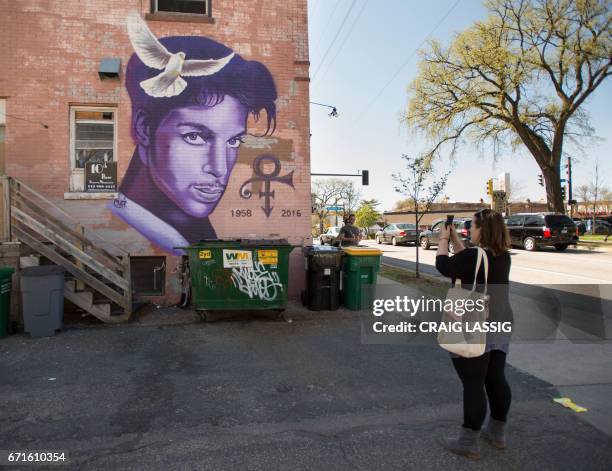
{"x": 323, "y": 195}
{"x": 516, "y": 192}
{"x": 520, "y": 77}
{"x": 421, "y": 187}
{"x": 350, "y": 196}
{"x": 333, "y": 192}
{"x": 584, "y": 194}
{"x": 595, "y": 189}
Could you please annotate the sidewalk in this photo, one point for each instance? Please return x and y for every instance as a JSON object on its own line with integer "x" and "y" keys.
{"x": 171, "y": 392}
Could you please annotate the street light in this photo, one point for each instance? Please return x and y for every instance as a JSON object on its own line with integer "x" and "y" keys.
{"x": 334, "y": 110}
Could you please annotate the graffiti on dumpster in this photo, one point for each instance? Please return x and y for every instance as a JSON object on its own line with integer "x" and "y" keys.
{"x": 257, "y": 282}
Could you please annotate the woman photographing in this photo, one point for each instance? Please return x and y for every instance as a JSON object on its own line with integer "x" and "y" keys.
{"x": 483, "y": 377}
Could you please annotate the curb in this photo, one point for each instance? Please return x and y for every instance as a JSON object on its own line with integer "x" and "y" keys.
{"x": 589, "y": 244}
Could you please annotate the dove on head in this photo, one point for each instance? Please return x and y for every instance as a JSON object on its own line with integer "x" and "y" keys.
{"x": 152, "y": 53}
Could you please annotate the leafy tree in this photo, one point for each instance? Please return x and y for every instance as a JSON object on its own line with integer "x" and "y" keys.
{"x": 421, "y": 186}
{"x": 520, "y": 76}
{"x": 405, "y": 203}
{"x": 367, "y": 214}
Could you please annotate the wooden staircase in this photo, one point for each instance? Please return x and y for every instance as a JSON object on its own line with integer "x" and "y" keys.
{"x": 92, "y": 271}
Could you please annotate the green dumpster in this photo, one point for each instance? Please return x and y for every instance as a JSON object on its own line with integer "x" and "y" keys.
{"x": 5, "y": 299}
{"x": 361, "y": 267}
{"x": 239, "y": 274}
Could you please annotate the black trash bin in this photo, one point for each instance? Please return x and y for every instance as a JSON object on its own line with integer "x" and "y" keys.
{"x": 323, "y": 269}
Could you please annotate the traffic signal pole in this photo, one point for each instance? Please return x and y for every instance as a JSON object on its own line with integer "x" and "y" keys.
{"x": 570, "y": 197}
{"x": 365, "y": 176}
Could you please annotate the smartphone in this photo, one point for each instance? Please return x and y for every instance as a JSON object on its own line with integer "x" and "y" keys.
{"x": 449, "y": 220}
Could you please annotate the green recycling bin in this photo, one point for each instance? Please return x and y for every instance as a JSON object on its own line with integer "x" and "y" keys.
{"x": 6, "y": 274}
{"x": 361, "y": 267}
{"x": 239, "y": 274}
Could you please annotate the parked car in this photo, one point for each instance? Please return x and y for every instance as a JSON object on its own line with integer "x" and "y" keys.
{"x": 397, "y": 233}
{"x": 533, "y": 230}
{"x": 581, "y": 225}
{"x": 431, "y": 237}
{"x": 601, "y": 226}
{"x": 330, "y": 235}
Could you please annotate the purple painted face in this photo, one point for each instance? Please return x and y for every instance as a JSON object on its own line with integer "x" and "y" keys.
{"x": 195, "y": 149}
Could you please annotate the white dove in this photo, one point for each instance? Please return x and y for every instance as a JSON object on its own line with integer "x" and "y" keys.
{"x": 153, "y": 54}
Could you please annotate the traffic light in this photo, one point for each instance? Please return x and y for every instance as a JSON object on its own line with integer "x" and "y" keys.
{"x": 490, "y": 186}
{"x": 540, "y": 180}
{"x": 365, "y": 177}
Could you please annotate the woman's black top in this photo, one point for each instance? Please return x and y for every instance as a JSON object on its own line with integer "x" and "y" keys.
{"x": 462, "y": 266}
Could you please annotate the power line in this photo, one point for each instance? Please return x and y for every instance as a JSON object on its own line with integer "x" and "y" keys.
{"x": 397, "y": 72}
{"x": 46, "y": 126}
{"x": 348, "y": 12}
{"x": 363, "y": 5}
{"x": 331, "y": 16}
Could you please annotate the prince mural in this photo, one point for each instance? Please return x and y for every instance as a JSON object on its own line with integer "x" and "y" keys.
{"x": 191, "y": 99}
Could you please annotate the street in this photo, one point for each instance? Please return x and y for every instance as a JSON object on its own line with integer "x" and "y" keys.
{"x": 544, "y": 266}
{"x": 256, "y": 394}
{"x": 580, "y": 281}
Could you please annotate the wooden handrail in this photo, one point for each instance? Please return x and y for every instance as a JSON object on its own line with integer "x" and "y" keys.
{"x": 72, "y": 268}
{"x": 30, "y": 222}
{"x": 59, "y": 226}
{"x": 67, "y": 246}
{"x": 21, "y": 184}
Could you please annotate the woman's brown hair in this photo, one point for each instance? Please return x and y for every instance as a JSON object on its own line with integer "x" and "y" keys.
{"x": 493, "y": 231}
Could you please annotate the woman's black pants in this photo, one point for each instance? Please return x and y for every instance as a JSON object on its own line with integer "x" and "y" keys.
{"x": 485, "y": 372}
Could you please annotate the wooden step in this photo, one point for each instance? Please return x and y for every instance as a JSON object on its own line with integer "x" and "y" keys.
{"x": 83, "y": 299}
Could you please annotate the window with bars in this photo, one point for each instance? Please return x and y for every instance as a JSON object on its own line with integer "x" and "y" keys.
{"x": 93, "y": 141}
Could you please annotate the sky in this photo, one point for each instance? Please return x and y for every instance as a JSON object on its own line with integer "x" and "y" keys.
{"x": 362, "y": 75}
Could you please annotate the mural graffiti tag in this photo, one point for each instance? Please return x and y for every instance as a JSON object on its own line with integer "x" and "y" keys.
{"x": 257, "y": 282}
{"x": 267, "y": 179}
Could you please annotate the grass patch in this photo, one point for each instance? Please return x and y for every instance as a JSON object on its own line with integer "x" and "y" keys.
{"x": 594, "y": 238}
{"x": 428, "y": 284}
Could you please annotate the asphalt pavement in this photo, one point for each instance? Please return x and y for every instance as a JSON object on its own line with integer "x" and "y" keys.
{"x": 576, "y": 355}
{"x": 171, "y": 392}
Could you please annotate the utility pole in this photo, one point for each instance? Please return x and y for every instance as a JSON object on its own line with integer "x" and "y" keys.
{"x": 570, "y": 197}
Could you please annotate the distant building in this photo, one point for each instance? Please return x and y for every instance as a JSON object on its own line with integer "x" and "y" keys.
{"x": 459, "y": 210}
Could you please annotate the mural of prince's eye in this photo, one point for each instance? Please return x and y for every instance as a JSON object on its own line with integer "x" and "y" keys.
{"x": 191, "y": 98}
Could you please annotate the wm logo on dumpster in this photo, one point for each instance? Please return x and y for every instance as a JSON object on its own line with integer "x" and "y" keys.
{"x": 237, "y": 258}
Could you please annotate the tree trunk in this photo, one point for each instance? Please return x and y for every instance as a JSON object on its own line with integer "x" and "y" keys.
{"x": 548, "y": 160}
{"x": 552, "y": 182}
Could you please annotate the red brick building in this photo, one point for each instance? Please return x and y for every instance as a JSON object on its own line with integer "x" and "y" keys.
{"x": 148, "y": 149}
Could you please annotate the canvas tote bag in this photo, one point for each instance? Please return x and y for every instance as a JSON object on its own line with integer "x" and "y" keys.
{"x": 467, "y": 344}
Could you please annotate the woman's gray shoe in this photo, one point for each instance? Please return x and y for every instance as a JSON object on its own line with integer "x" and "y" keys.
{"x": 495, "y": 433}
{"x": 467, "y": 444}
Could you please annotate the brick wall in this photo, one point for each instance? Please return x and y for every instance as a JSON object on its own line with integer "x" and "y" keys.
{"x": 49, "y": 62}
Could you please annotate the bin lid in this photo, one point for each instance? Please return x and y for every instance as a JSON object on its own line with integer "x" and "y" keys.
{"x": 320, "y": 249}
{"x": 6, "y": 271}
{"x": 236, "y": 243}
{"x": 42, "y": 270}
{"x": 362, "y": 251}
